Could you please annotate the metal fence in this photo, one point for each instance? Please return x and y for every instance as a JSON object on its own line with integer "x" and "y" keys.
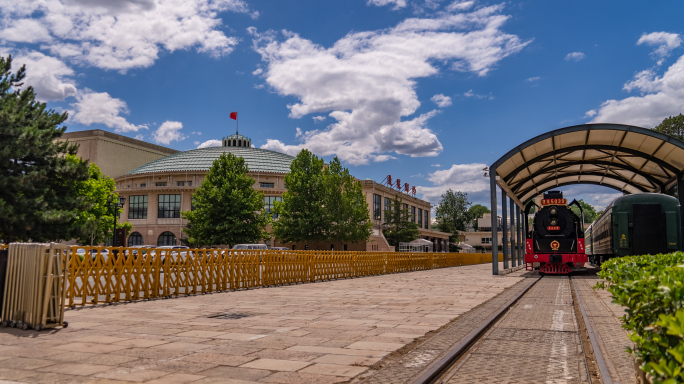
{"x": 128, "y": 274}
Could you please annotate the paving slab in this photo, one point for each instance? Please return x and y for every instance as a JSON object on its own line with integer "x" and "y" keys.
{"x": 613, "y": 340}
{"x": 306, "y": 333}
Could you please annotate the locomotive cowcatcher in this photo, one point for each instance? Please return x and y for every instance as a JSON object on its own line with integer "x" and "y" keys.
{"x": 555, "y": 240}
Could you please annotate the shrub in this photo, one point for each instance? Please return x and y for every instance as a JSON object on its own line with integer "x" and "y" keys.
{"x": 651, "y": 287}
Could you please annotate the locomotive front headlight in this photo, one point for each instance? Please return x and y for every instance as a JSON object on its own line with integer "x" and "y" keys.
{"x": 554, "y": 222}
{"x": 553, "y": 210}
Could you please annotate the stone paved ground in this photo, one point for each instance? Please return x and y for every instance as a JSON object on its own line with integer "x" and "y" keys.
{"x": 612, "y": 338}
{"x": 311, "y": 333}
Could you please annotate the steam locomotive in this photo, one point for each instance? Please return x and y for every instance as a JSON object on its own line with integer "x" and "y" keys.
{"x": 555, "y": 240}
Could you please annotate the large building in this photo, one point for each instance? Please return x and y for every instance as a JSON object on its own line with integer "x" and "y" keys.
{"x": 158, "y": 183}
{"x": 116, "y": 155}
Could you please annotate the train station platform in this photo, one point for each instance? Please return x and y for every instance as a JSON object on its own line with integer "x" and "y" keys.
{"x": 326, "y": 332}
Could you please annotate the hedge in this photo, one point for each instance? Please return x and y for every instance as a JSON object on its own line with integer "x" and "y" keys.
{"x": 651, "y": 287}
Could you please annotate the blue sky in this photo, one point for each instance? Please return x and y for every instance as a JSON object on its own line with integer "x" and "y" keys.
{"x": 427, "y": 91}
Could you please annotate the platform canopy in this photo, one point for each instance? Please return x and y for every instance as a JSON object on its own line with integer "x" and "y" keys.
{"x": 622, "y": 157}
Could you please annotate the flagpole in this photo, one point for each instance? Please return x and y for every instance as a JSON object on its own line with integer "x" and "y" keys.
{"x": 237, "y": 116}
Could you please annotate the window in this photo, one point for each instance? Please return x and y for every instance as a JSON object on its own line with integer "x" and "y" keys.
{"x": 269, "y": 204}
{"x": 387, "y": 207}
{"x": 137, "y": 207}
{"x": 427, "y": 219}
{"x": 486, "y": 240}
{"x": 135, "y": 238}
{"x": 166, "y": 238}
{"x": 413, "y": 214}
{"x": 143, "y": 185}
{"x": 376, "y": 207}
{"x": 420, "y": 218}
{"x": 160, "y": 184}
{"x": 180, "y": 184}
{"x": 345, "y": 247}
{"x": 267, "y": 185}
{"x": 189, "y": 183}
{"x": 169, "y": 207}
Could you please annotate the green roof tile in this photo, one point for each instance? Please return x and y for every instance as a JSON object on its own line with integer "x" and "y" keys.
{"x": 258, "y": 160}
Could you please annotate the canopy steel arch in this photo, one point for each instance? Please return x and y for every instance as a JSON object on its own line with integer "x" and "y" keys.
{"x": 625, "y": 158}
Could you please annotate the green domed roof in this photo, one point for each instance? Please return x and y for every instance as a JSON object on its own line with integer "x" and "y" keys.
{"x": 258, "y": 160}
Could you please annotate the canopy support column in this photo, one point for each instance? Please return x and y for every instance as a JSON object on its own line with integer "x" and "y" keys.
{"x": 513, "y": 232}
{"x": 520, "y": 233}
{"x": 495, "y": 247}
{"x": 680, "y": 195}
{"x": 504, "y": 229}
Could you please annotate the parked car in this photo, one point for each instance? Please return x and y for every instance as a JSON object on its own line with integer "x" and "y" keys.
{"x": 251, "y": 246}
{"x": 279, "y": 248}
{"x": 173, "y": 251}
{"x": 103, "y": 252}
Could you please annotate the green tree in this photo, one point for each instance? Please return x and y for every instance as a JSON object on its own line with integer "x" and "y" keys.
{"x": 475, "y": 212}
{"x": 346, "y": 206}
{"x": 96, "y": 217}
{"x": 397, "y": 225}
{"x": 228, "y": 210}
{"x": 37, "y": 180}
{"x": 672, "y": 126}
{"x": 452, "y": 216}
{"x": 590, "y": 213}
{"x": 302, "y": 215}
{"x": 452, "y": 211}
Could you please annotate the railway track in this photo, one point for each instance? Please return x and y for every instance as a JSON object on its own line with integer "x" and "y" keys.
{"x": 518, "y": 344}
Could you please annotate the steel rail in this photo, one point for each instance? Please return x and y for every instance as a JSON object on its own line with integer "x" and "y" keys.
{"x": 594, "y": 339}
{"x": 438, "y": 367}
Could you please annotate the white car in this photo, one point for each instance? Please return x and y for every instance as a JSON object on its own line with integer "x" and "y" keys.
{"x": 173, "y": 251}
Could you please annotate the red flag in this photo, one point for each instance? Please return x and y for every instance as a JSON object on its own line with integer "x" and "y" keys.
{"x": 233, "y": 115}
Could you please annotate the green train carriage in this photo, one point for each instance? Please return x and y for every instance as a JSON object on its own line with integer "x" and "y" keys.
{"x": 639, "y": 224}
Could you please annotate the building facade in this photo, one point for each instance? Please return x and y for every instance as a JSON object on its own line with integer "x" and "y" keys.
{"x": 116, "y": 155}
{"x": 481, "y": 239}
{"x": 158, "y": 191}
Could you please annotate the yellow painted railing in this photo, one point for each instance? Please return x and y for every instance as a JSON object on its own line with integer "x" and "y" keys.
{"x": 105, "y": 274}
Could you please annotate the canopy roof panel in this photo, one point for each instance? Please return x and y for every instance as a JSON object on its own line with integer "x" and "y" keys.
{"x": 623, "y": 157}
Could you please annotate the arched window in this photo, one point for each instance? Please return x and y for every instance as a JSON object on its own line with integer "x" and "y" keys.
{"x": 234, "y": 143}
{"x": 166, "y": 238}
{"x": 135, "y": 239}
{"x": 239, "y": 143}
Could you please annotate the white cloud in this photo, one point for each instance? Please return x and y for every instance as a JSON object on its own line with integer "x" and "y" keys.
{"x": 25, "y": 31}
{"x": 169, "y": 131}
{"x": 471, "y": 94}
{"x": 574, "y": 56}
{"x": 441, "y": 100}
{"x": 100, "y": 108}
{"x": 661, "y": 97}
{"x": 665, "y": 43}
{"x": 396, "y": 4}
{"x": 460, "y": 6}
{"x": 533, "y": 79}
{"x": 210, "y": 143}
{"x": 435, "y": 165}
{"x": 318, "y": 119}
{"x": 467, "y": 178}
{"x": 366, "y": 80}
{"x": 119, "y": 35}
{"x": 49, "y": 77}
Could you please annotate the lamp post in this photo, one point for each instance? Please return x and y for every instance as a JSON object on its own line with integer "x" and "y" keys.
{"x": 115, "y": 208}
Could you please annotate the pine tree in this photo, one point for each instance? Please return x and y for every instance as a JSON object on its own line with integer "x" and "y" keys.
{"x": 228, "y": 210}
{"x": 38, "y": 200}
